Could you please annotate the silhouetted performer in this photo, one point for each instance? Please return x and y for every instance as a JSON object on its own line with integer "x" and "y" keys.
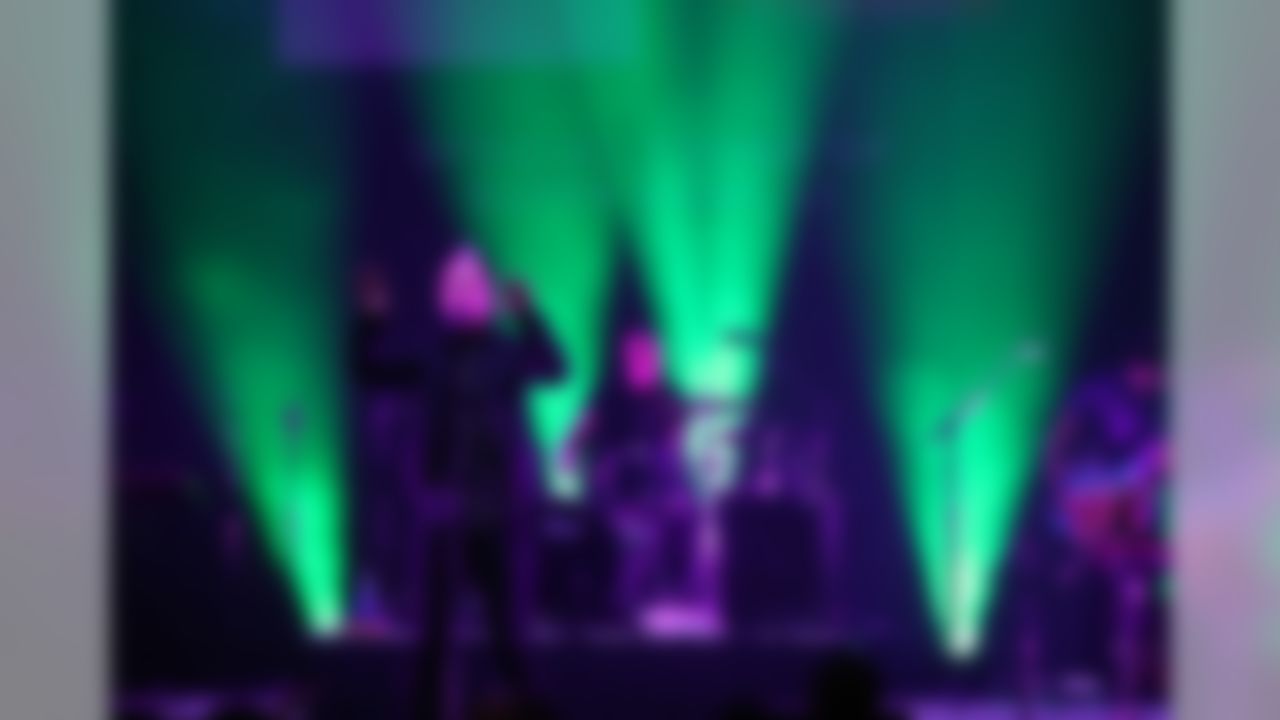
{"x": 1107, "y": 464}
{"x": 630, "y": 444}
{"x": 480, "y": 483}
{"x": 383, "y": 392}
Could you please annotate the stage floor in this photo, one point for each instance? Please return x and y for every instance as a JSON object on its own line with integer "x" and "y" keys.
{"x": 201, "y": 705}
{"x": 615, "y": 678}
{"x": 1006, "y": 711}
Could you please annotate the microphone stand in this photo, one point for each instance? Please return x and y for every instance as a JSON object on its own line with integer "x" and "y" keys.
{"x": 951, "y": 432}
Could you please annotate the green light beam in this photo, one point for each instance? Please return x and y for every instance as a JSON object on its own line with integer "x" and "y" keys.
{"x": 1002, "y": 130}
{"x": 237, "y": 161}
{"x": 702, "y": 137}
{"x": 525, "y": 188}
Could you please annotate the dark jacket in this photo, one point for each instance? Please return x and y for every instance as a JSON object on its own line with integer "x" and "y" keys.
{"x": 473, "y": 384}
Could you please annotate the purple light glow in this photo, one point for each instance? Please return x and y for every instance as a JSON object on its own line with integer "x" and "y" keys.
{"x": 642, "y": 362}
{"x": 467, "y": 296}
{"x": 403, "y": 33}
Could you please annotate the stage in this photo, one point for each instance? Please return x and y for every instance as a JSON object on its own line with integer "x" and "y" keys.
{"x": 605, "y": 677}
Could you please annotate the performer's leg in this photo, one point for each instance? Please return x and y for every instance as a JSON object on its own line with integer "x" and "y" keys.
{"x": 376, "y": 506}
{"x": 366, "y": 471}
{"x": 433, "y": 674}
{"x": 679, "y": 554}
{"x": 492, "y": 558}
{"x": 635, "y": 565}
{"x": 599, "y": 579}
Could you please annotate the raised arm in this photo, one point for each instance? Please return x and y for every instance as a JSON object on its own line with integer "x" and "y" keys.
{"x": 540, "y": 358}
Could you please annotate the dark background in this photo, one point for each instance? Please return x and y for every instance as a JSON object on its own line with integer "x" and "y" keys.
{"x": 184, "y": 611}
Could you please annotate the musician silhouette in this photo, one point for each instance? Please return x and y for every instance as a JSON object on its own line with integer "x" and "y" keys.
{"x": 1106, "y": 464}
{"x": 629, "y": 442}
{"x": 479, "y": 487}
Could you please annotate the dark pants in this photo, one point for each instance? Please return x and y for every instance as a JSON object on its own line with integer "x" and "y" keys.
{"x": 380, "y": 521}
{"x": 483, "y": 554}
